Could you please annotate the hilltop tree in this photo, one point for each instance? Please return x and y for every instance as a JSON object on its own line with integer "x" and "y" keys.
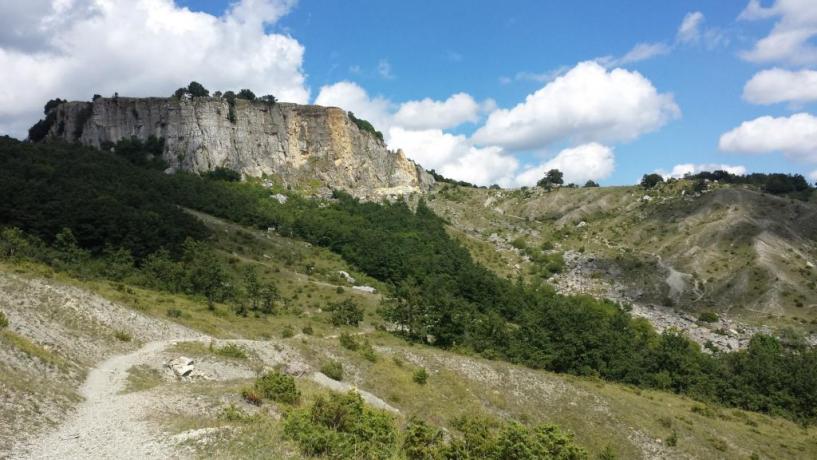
{"x": 554, "y": 177}
{"x": 591, "y": 183}
{"x": 246, "y": 94}
{"x": 651, "y": 180}
{"x": 196, "y": 89}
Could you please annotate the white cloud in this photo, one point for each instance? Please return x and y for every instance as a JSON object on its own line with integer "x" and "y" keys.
{"x": 681, "y": 170}
{"x": 349, "y": 96}
{"x": 427, "y": 113}
{"x": 588, "y": 103}
{"x": 813, "y": 175}
{"x": 690, "y": 29}
{"x": 640, "y": 52}
{"x": 455, "y": 157}
{"x": 591, "y": 161}
{"x": 795, "y": 136}
{"x": 76, "y": 48}
{"x": 779, "y": 85}
{"x": 790, "y": 40}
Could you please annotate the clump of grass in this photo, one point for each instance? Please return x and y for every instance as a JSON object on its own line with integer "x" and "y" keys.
{"x": 672, "y": 440}
{"x": 368, "y": 352}
{"x": 708, "y": 317}
{"x": 174, "y": 313}
{"x": 251, "y": 396}
{"x": 122, "y": 336}
{"x": 333, "y": 369}
{"x": 141, "y": 378}
{"x": 230, "y": 350}
{"x": 420, "y": 376}
{"x": 348, "y": 342}
{"x": 287, "y": 332}
{"x": 307, "y": 330}
{"x": 4, "y": 322}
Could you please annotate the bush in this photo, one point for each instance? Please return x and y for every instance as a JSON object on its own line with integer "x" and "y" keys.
{"x": 251, "y": 396}
{"x": 341, "y": 427}
{"x": 122, "y": 336}
{"x": 287, "y": 332}
{"x": 345, "y": 313}
{"x": 333, "y": 369}
{"x": 307, "y": 330}
{"x": 278, "y": 387}
{"x": 651, "y": 180}
{"x": 368, "y": 352}
{"x": 174, "y": 313}
{"x": 708, "y": 317}
{"x": 4, "y": 322}
{"x": 225, "y": 174}
{"x": 246, "y": 94}
{"x": 364, "y": 125}
{"x": 348, "y": 342}
{"x": 420, "y": 376}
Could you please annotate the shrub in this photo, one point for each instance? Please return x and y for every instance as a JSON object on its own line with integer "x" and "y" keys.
{"x": 420, "y": 376}
{"x": 651, "y": 180}
{"x": 307, "y": 330}
{"x": 122, "y": 336}
{"x": 348, "y": 342}
{"x": 421, "y": 441}
{"x": 364, "y": 125}
{"x": 174, "y": 313}
{"x": 287, "y": 332}
{"x": 225, "y": 174}
{"x": 246, "y": 94}
{"x": 340, "y": 426}
{"x": 4, "y": 322}
{"x": 708, "y": 317}
{"x": 333, "y": 369}
{"x": 251, "y": 396}
{"x": 368, "y": 352}
{"x": 278, "y": 387}
{"x": 672, "y": 440}
{"x": 345, "y": 313}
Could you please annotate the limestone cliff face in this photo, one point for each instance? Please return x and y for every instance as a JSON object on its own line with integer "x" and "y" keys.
{"x": 300, "y": 144}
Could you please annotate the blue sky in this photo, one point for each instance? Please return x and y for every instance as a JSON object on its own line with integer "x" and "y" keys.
{"x": 499, "y": 53}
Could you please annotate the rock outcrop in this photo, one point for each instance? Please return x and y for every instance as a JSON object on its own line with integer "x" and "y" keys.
{"x": 302, "y": 145}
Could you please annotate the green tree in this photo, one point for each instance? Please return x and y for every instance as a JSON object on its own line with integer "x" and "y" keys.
{"x": 252, "y": 286}
{"x": 205, "y": 272}
{"x": 651, "y": 180}
{"x": 196, "y": 89}
{"x": 590, "y": 184}
{"x": 345, "y": 312}
{"x": 269, "y": 295}
{"x": 246, "y": 94}
{"x": 553, "y": 178}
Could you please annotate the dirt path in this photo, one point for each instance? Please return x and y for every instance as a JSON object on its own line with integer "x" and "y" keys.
{"x": 107, "y": 424}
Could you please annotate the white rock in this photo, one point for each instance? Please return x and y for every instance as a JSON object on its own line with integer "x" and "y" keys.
{"x": 280, "y": 198}
{"x": 349, "y": 279}
{"x": 366, "y": 289}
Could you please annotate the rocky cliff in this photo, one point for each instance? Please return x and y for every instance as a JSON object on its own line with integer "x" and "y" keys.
{"x": 299, "y": 144}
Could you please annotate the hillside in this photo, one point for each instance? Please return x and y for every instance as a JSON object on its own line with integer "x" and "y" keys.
{"x": 732, "y": 250}
{"x": 350, "y": 329}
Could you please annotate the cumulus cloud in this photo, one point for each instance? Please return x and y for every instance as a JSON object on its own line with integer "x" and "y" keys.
{"x": 795, "y": 136}
{"x": 579, "y": 164}
{"x": 588, "y": 103}
{"x": 690, "y": 29}
{"x": 428, "y": 113}
{"x": 681, "y": 170}
{"x": 454, "y": 156}
{"x": 779, "y": 85}
{"x": 791, "y": 38}
{"x": 139, "y": 47}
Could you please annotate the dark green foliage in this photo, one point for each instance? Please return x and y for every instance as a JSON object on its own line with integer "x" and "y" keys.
{"x": 341, "y": 427}
{"x": 771, "y": 183}
{"x": 102, "y": 199}
{"x": 53, "y": 104}
{"x": 146, "y": 154}
{"x": 440, "y": 178}
{"x": 590, "y": 184}
{"x": 333, "y": 370}
{"x": 225, "y": 174}
{"x": 246, "y": 94}
{"x": 348, "y": 342}
{"x": 196, "y": 89}
{"x": 651, "y": 180}
{"x": 708, "y": 317}
{"x": 552, "y": 178}
{"x": 269, "y": 99}
{"x": 40, "y": 129}
{"x": 4, "y": 322}
{"x": 422, "y": 441}
{"x": 205, "y": 273}
{"x": 278, "y": 387}
{"x": 345, "y": 313}
{"x": 82, "y": 118}
{"x": 230, "y": 97}
{"x": 364, "y": 125}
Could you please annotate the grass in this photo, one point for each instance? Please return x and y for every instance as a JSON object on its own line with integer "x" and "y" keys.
{"x": 142, "y": 378}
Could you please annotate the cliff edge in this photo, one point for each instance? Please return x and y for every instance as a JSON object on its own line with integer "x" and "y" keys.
{"x": 303, "y": 145}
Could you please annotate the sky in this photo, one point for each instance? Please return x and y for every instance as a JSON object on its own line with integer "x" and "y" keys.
{"x": 483, "y": 91}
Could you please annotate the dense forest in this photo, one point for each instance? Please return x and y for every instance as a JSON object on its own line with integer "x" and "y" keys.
{"x": 63, "y": 200}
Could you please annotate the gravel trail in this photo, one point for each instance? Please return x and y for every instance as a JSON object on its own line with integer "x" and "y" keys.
{"x": 108, "y": 424}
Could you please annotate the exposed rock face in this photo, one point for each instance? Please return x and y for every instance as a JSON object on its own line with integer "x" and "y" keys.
{"x": 300, "y": 144}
